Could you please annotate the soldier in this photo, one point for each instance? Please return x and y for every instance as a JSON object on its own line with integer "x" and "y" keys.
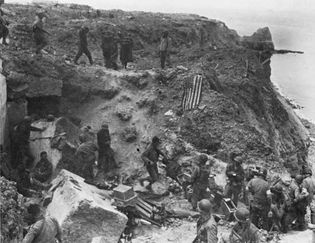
{"x": 39, "y": 32}
{"x": 126, "y": 45}
{"x": 309, "y": 184}
{"x": 164, "y": 48}
{"x": 206, "y": 225}
{"x": 200, "y": 180}
{"x": 86, "y": 155}
{"x": 244, "y": 231}
{"x": 45, "y": 229}
{"x": 4, "y": 31}
{"x": 150, "y": 158}
{"x": 106, "y": 160}
{"x": 43, "y": 169}
{"x": 259, "y": 206}
{"x": 110, "y": 50}
{"x": 297, "y": 203}
{"x": 21, "y": 136}
{"x": 235, "y": 174}
{"x": 278, "y": 207}
{"x": 83, "y": 45}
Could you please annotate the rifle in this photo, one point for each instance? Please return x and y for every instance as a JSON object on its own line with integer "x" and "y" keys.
{"x": 50, "y": 137}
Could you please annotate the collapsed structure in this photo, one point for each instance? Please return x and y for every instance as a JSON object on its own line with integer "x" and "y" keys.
{"x": 231, "y": 105}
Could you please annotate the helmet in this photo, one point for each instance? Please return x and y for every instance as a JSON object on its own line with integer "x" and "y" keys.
{"x": 50, "y": 117}
{"x": 203, "y": 158}
{"x": 299, "y": 179}
{"x": 308, "y": 171}
{"x": 105, "y": 125}
{"x": 263, "y": 172}
{"x": 205, "y": 205}
{"x": 155, "y": 140}
{"x": 242, "y": 215}
{"x": 276, "y": 189}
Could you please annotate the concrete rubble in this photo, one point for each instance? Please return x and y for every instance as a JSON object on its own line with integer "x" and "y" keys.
{"x": 83, "y": 211}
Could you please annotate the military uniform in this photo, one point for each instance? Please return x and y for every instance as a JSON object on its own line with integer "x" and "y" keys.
{"x": 46, "y": 230}
{"x": 86, "y": 159}
{"x": 4, "y": 31}
{"x": 83, "y": 46}
{"x": 200, "y": 180}
{"x": 207, "y": 230}
{"x": 259, "y": 206}
{"x": 126, "y": 51}
{"x": 235, "y": 174}
{"x": 164, "y": 50}
{"x": 20, "y": 143}
{"x": 110, "y": 51}
{"x": 39, "y": 35}
{"x": 297, "y": 203}
{"x": 150, "y": 158}
{"x": 43, "y": 170}
{"x": 106, "y": 160}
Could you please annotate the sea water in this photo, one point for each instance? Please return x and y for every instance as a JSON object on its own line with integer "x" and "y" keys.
{"x": 293, "y": 74}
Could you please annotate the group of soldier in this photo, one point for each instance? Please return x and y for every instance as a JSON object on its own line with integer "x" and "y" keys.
{"x": 112, "y": 43}
{"x": 260, "y": 203}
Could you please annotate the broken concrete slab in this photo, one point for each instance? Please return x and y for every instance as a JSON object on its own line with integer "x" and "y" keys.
{"x": 84, "y": 212}
{"x": 50, "y": 141}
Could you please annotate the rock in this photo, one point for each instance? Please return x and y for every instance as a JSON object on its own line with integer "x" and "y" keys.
{"x": 260, "y": 40}
{"x": 129, "y": 134}
{"x": 59, "y": 147}
{"x": 124, "y": 114}
{"x": 160, "y": 188}
{"x": 138, "y": 80}
{"x": 83, "y": 211}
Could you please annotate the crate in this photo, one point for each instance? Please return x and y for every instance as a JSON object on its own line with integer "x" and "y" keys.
{"x": 228, "y": 208}
{"x": 124, "y": 193}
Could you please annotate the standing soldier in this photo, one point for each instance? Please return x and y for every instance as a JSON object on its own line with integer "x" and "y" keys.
{"x": 164, "y": 48}
{"x": 4, "y": 31}
{"x": 39, "y": 32}
{"x": 106, "y": 160}
{"x": 126, "y": 45}
{"x": 110, "y": 50}
{"x": 298, "y": 200}
{"x": 259, "y": 206}
{"x": 200, "y": 180}
{"x": 150, "y": 158}
{"x": 206, "y": 225}
{"x": 236, "y": 175}
{"x": 309, "y": 184}
{"x": 83, "y": 45}
{"x": 21, "y": 136}
{"x": 278, "y": 204}
{"x": 86, "y": 155}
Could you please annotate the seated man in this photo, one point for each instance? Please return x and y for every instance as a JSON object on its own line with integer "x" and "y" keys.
{"x": 43, "y": 169}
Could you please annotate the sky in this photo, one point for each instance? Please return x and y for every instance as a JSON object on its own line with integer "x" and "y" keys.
{"x": 193, "y": 6}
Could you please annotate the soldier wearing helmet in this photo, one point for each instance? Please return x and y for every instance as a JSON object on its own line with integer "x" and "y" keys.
{"x": 200, "y": 180}
{"x": 83, "y": 45}
{"x": 206, "y": 225}
{"x": 236, "y": 175}
{"x": 244, "y": 230}
{"x": 309, "y": 184}
{"x": 150, "y": 158}
{"x": 20, "y": 143}
{"x": 278, "y": 207}
{"x": 298, "y": 201}
{"x": 39, "y": 32}
{"x": 259, "y": 206}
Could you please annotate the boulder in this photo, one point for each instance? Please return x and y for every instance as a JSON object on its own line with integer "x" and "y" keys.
{"x": 58, "y": 139}
{"x": 260, "y": 40}
{"x": 124, "y": 114}
{"x": 84, "y": 212}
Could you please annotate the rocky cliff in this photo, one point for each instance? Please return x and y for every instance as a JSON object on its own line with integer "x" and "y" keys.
{"x": 239, "y": 110}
